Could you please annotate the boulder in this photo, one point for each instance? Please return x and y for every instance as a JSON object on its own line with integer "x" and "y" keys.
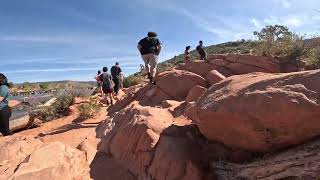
{"x": 132, "y": 137}
{"x": 243, "y": 64}
{"x": 177, "y": 83}
{"x": 21, "y": 123}
{"x": 265, "y": 112}
{"x": 53, "y": 161}
{"x": 171, "y": 85}
{"x": 195, "y": 93}
{"x": 214, "y": 77}
{"x": 300, "y": 163}
{"x": 14, "y": 150}
{"x": 30, "y": 158}
{"x": 239, "y": 68}
{"x": 198, "y": 67}
{"x": 261, "y": 63}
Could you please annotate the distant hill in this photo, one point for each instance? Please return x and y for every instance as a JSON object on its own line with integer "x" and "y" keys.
{"x": 54, "y": 85}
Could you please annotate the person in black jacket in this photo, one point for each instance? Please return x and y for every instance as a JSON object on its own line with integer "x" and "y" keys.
{"x": 150, "y": 48}
{"x": 201, "y": 50}
{"x": 116, "y": 73}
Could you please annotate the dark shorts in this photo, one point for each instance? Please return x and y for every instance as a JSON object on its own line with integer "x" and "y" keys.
{"x": 5, "y": 114}
{"x": 107, "y": 90}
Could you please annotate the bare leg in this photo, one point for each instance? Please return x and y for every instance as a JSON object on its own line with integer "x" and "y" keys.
{"x": 110, "y": 95}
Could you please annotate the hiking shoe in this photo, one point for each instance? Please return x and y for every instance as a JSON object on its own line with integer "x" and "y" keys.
{"x": 152, "y": 81}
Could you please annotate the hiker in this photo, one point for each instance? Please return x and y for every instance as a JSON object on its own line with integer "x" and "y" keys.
{"x": 187, "y": 56}
{"x": 150, "y": 48}
{"x": 116, "y": 73}
{"x": 107, "y": 84}
{"x": 141, "y": 68}
{"x": 97, "y": 77}
{"x": 201, "y": 50}
{"x": 5, "y": 110}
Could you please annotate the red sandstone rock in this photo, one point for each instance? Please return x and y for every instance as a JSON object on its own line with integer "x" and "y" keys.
{"x": 195, "y": 93}
{"x": 261, "y": 112}
{"x": 132, "y": 137}
{"x": 214, "y": 77}
{"x": 198, "y": 67}
{"x": 29, "y": 158}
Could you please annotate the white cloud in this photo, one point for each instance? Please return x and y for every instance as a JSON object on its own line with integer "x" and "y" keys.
{"x": 256, "y": 23}
{"x": 316, "y": 18}
{"x": 291, "y": 21}
{"x": 284, "y": 3}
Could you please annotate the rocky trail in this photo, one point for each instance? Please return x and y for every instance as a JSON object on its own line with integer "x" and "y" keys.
{"x": 232, "y": 117}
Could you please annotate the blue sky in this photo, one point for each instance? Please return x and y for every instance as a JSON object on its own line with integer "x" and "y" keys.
{"x": 44, "y": 40}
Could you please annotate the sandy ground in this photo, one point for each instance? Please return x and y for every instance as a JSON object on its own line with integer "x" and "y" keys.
{"x": 69, "y": 130}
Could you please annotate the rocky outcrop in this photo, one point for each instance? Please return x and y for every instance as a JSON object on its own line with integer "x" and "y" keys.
{"x": 30, "y": 158}
{"x": 53, "y": 161}
{"x": 195, "y": 93}
{"x": 21, "y": 123}
{"x": 171, "y": 85}
{"x": 265, "y": 112}
{"x": 140, "y": 138}
{"x": 301, "y": 163}
{"x": 214, "y": 77}
{"x": 178, "y": 83}
{"x": 243, "y": 64}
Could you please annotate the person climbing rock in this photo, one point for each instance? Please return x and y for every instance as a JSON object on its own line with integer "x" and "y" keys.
{"x": 201, "y": 50}
{"x": 187, "y": 56}
{"x": 5, "y": 110}
{"x": 150, "y": 48}
{"x": 107, "y": 84}
{"x": 97, "y": 77}
{"x": 116, "y": 73}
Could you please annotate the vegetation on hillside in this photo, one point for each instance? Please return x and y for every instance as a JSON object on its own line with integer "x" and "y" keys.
{"x": 271, "y": 41}
{"x": 58, "y": 109}
{"x": 89, "y": 109}
{"x": 58, "y": 85}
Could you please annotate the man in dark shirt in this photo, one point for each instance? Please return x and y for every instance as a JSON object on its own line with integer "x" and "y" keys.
{"x": 150, "y": 48}
{"x": 116, "y": 73}
{"x": 202, "y": 52}
{"x": 107, "y": 84}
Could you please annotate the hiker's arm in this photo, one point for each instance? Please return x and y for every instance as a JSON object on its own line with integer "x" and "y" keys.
{"x": 139, "y": 47}
{"x": 159, "y": 48}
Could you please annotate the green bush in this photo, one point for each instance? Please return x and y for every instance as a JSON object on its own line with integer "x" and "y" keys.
{"x": 277, "y": 40}
{"x": 44, "y": 86}
{"x": 132, "y": 80}
{"x": 57, "y": 110}
{"x": 89, "y": 109}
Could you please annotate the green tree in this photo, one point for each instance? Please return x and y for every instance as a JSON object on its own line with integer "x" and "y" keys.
{"x": 274, "y": 33}
{"x": 44, "y": 86}
{"x": 26, "y": 86}
{"x": 278, "y": 40}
